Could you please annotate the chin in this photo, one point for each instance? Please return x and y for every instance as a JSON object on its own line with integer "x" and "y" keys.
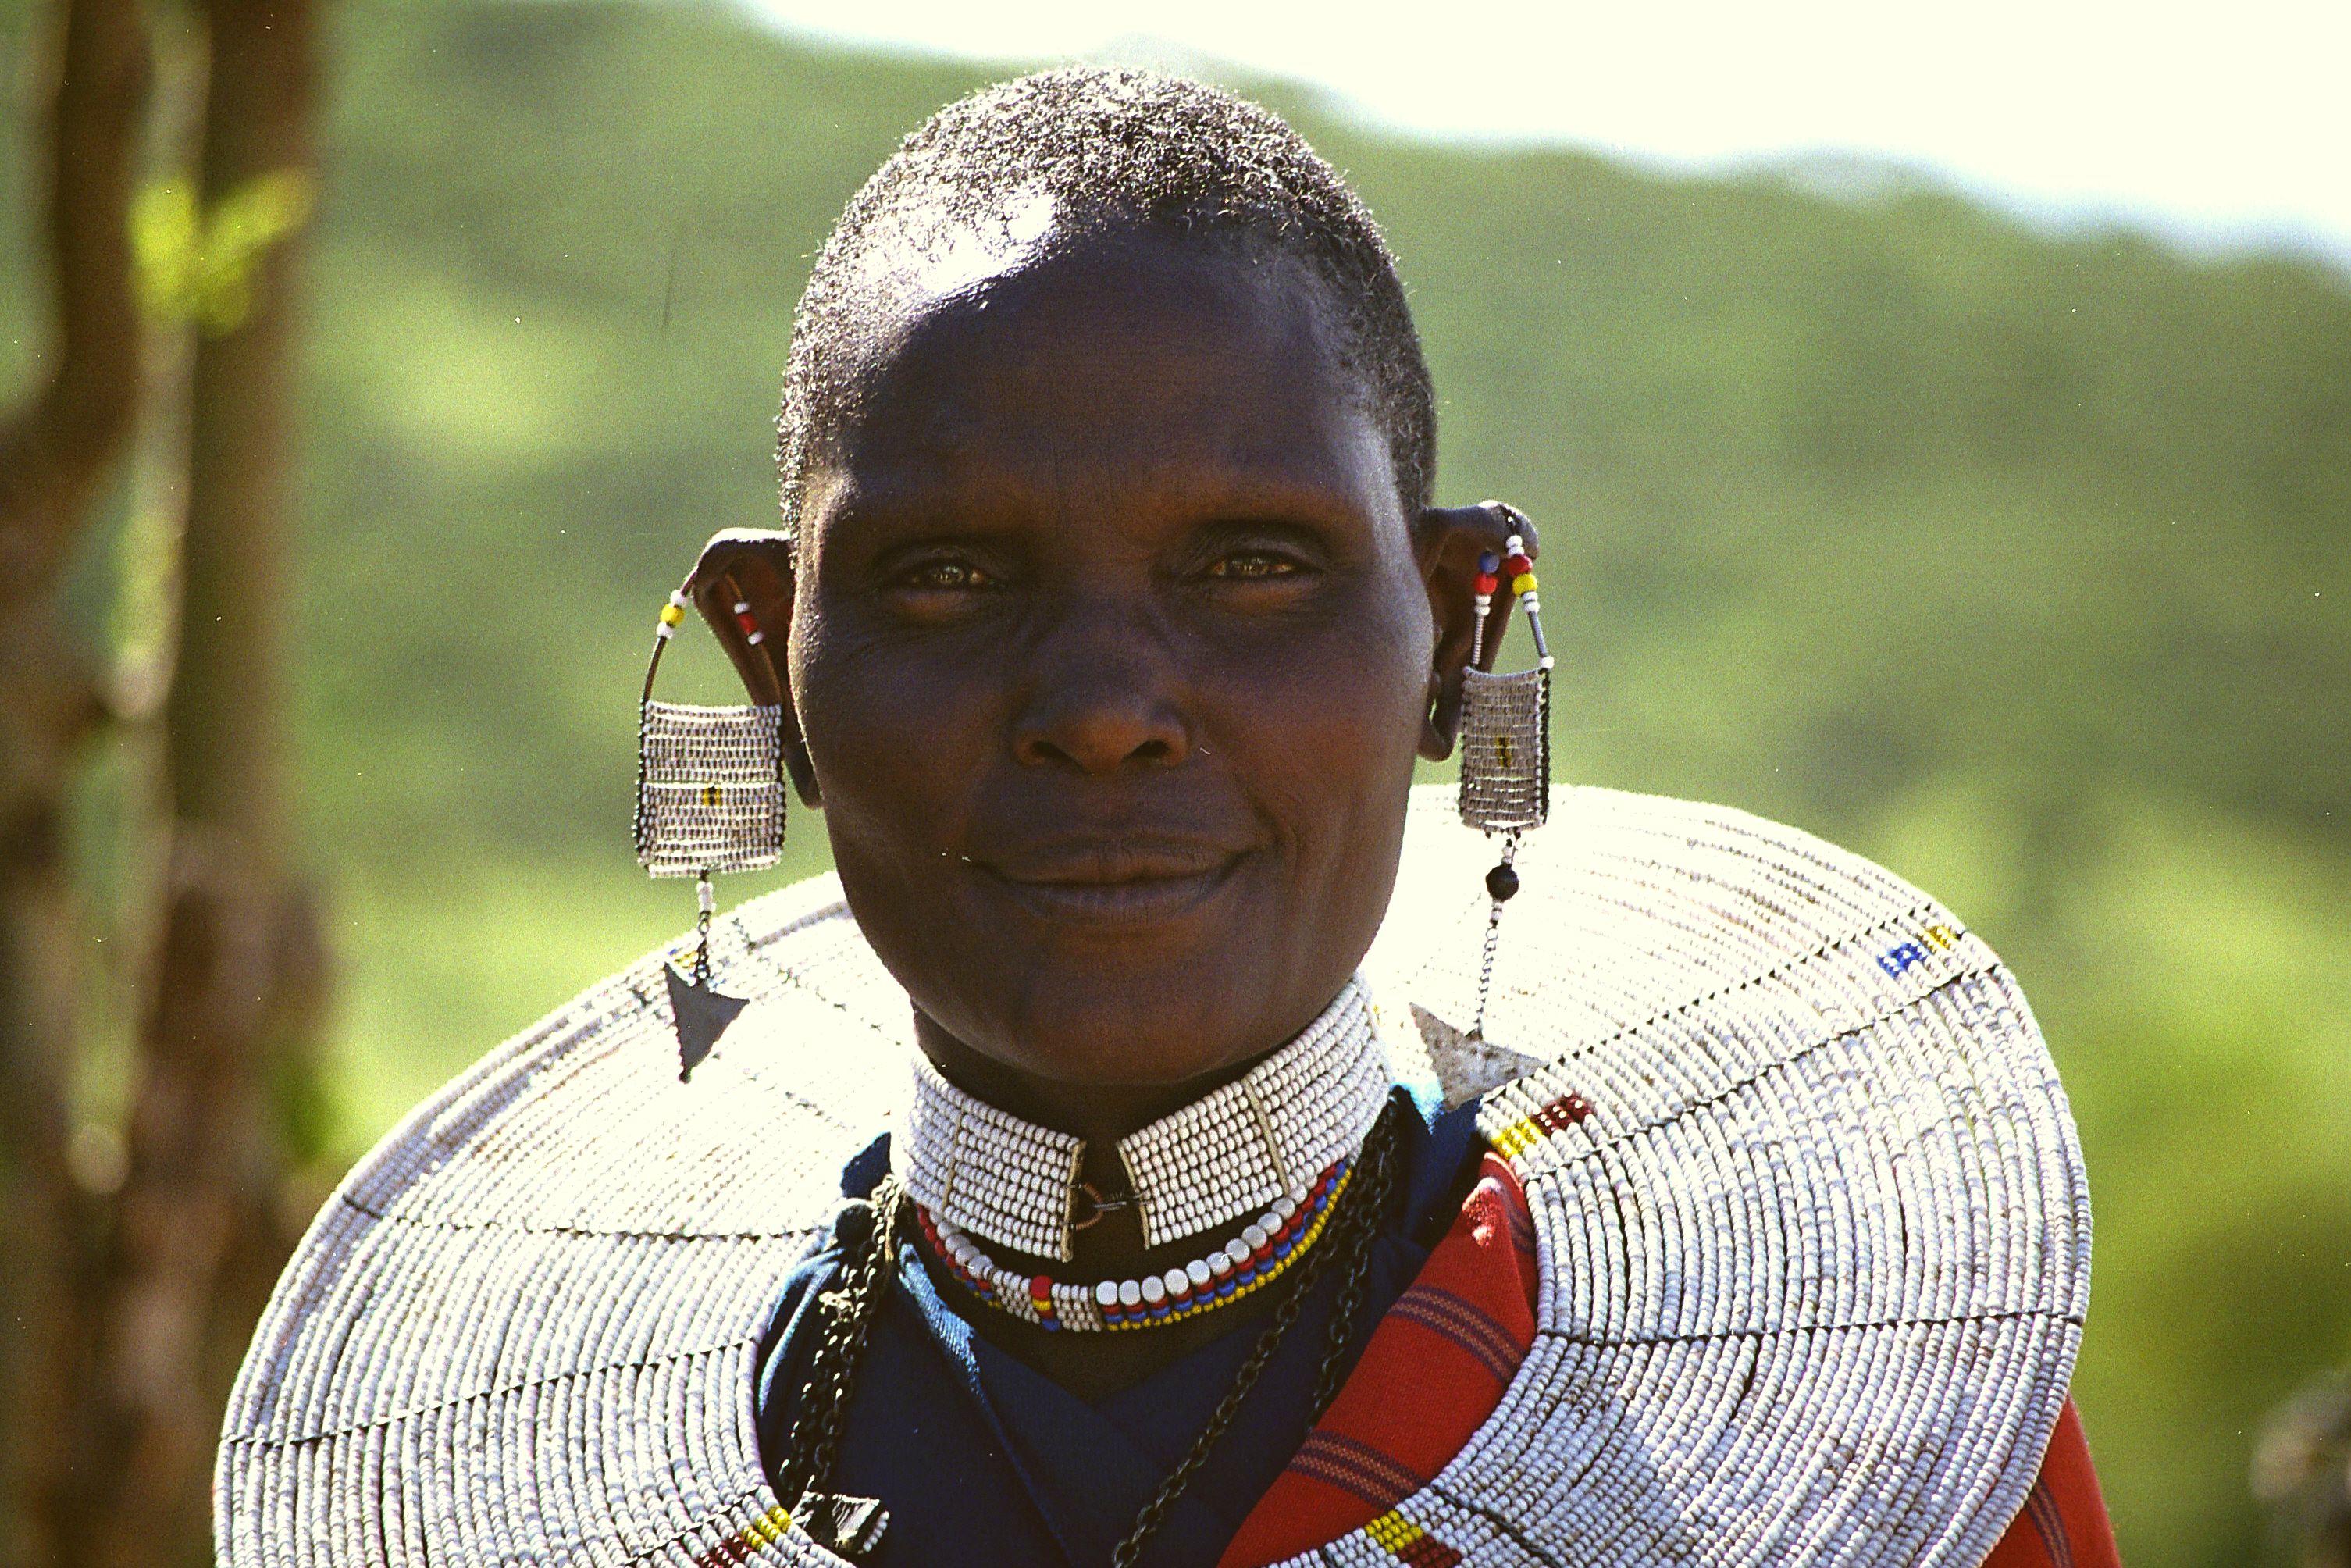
{"x": 1121, "y": 1027}
{"x": 1147, "y": 993}
{"x": 1134, "y": 1037}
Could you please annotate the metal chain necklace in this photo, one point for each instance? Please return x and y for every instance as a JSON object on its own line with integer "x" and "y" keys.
{"x": 850, "y": 1526}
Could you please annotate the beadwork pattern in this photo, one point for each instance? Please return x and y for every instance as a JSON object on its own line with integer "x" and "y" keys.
{"x": 1265, "y": 1137}
{"x": 1810, "y": 1225}
{"x": 710, "y": 789}
{"x": 1257, "y": 1256}
{"x": 1505, "y": 749}
{"x": 1267, "y": 1134}
{"x": 986, "y": 1170}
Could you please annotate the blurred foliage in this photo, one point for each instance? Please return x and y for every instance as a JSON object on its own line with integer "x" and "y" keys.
{"x": 2022, "y": 562}
{"x": 198, "y": 268}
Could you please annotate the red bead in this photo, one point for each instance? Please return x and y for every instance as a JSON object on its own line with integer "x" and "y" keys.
{"x": 1517, "y": 564}
{"x": 1488, "y": 583}
{"x": 1040, "y": 1288}
{"x": 744, "y": 621}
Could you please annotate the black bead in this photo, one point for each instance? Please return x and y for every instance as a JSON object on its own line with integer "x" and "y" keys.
{"x": 1502, "y": 882}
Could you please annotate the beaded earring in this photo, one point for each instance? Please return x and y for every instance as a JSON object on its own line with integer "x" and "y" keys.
{"x": 1505, "y": 738}
{"x": 710, "y": 798}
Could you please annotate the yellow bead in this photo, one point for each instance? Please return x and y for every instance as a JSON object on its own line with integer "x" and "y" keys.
{"x": 1523, "y": 583}
{"x": 672, "y": 615}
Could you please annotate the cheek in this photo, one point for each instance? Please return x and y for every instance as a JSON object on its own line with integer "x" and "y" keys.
{"x": 1326, "y": 728}
{"x": 897, "y": 738}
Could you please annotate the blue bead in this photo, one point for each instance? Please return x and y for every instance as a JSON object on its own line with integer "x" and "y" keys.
{"x": 1488, "y": 561}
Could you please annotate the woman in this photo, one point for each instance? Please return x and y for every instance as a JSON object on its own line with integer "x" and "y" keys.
{"x": 1268, "y": 1180}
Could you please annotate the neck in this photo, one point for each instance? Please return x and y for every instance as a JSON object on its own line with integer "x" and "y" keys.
{"x": 1101, "y": 1114}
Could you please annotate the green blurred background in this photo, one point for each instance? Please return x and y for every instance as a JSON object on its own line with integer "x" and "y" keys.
{"x": 2020, "y": 562}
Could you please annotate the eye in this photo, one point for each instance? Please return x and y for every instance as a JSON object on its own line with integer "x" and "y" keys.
{"x": 944, "y": 574}
{"x": 1255, "y": 566}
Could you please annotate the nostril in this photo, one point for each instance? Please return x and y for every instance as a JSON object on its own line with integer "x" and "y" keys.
{"x": 1036, "y": 749}
{"x": 1039, "y": 750}
{"x": 1100, "y": 725}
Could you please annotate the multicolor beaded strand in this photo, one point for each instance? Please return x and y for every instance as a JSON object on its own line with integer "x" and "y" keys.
{"x": 1262, "y": 1252}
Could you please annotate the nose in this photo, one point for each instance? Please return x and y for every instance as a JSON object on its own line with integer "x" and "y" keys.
{"x": 1103, "y": 696}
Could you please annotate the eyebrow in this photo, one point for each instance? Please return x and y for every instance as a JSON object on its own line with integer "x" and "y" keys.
{"x": 1205, "y": 491}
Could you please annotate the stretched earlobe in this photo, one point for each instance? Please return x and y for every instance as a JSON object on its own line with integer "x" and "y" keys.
{"x": 744, "y": 585}
{"x": 1448, "y": 542}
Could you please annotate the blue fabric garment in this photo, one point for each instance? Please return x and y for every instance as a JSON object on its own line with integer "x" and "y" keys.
{"x": 985, "y": 1462}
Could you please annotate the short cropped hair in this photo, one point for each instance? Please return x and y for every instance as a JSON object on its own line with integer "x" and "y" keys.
{"x": 1113, "y": 151}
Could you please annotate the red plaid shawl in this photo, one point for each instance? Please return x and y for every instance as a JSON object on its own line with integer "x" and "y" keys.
{"x": 1435, "y": 1368}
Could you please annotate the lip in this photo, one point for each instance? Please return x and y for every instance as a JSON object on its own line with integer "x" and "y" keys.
{"x": 1114, "y": 880}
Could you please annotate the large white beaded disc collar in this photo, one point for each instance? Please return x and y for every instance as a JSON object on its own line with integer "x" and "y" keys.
{"x": 1810, "y": 1227}
{"x": 1265, "y": 1137}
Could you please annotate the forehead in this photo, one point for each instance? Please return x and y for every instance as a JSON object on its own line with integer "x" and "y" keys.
{"x": 1142, "y": 370}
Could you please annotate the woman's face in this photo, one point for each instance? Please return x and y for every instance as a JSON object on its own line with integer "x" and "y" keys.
{"x": 1111, "y": 655}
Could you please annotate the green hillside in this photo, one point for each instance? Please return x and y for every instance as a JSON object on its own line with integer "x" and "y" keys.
{"x": 2022, "y": 562}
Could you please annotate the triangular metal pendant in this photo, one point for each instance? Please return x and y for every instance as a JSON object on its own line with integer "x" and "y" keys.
{"x": 1468, "y": 1065}
{"x": 700, "y": 1016}
{"x": 846, "y": 1526}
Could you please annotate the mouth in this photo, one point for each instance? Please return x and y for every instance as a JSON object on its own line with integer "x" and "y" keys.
{"x": 1115, "y": 882}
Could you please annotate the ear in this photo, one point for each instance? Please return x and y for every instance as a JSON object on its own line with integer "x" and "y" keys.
{"x": 1448, "y": 542}
{"x": 743, "y": 585}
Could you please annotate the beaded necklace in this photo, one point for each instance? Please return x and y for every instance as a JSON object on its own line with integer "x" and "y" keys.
{"x": 1266, "y": 1138}
{"x": 1264, "y": 1248}
{"x": 850, "y": 1526}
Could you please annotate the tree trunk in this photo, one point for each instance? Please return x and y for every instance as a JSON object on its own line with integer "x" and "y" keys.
{"x": 56, "y": 454}
{"x": 46, "y": 716}
{"x": 200, "y": 1230}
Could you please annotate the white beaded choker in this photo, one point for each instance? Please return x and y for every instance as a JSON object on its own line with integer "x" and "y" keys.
{"x": 1267, "y": 1135}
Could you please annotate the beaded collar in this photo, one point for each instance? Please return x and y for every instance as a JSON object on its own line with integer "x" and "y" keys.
{"x": 1267, "y": 1136}
{"x": 1811, "y": 1229}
